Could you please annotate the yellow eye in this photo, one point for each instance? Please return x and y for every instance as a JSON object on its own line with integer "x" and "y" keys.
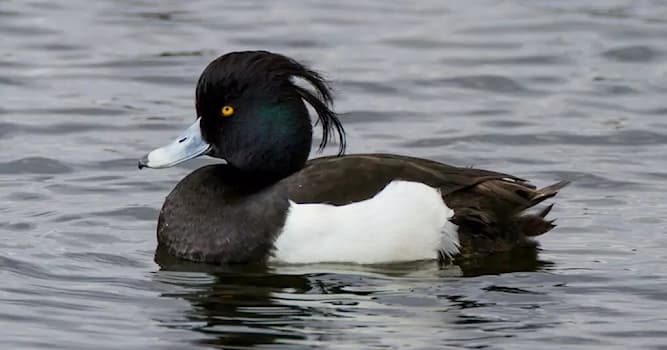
{"x": 227, "y": 111}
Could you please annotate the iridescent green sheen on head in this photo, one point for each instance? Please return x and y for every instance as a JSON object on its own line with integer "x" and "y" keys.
{"x": 277, "y": 117}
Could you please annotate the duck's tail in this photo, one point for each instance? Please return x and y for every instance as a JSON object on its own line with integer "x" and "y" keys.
{"x": 536, "y": 224}
{"x": 492, "y": 217}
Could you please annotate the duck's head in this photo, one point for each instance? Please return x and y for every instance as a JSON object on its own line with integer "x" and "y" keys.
{"x": 252, "y": 114}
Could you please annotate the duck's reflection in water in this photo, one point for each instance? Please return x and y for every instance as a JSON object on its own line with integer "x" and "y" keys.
{"x": 244, "y": 306}
{"x": 521, "y": 259}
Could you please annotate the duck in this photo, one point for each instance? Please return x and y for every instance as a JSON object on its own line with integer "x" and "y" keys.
{"x": 269, "y": 202}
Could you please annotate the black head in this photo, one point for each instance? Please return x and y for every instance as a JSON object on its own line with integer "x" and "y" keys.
{"x": 254, "y": 115}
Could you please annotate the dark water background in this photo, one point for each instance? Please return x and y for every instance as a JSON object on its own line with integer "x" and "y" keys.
{"x": 546, "y": 90}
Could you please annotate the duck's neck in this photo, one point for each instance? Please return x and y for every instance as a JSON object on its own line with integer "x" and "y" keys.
{"x": 255, "y": 178}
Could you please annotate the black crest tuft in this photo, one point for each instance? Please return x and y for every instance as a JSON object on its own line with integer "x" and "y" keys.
{"x": 321, "y": 99}
{"x": 246, "y": 65}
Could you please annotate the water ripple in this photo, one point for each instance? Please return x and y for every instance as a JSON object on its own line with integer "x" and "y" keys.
{"x": 34, "y": 165}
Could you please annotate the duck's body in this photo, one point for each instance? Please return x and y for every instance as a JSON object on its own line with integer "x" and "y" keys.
{"x": 371, "y": 208}
{"x": 268, "y": 204}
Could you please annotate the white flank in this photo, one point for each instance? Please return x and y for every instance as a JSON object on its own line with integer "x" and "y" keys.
{"x": 406, "y": 221}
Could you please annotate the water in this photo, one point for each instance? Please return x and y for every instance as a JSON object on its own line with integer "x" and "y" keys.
{"x": 545, "y": 90}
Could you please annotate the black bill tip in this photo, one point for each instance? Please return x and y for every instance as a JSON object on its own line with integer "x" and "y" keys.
{"x": 143, "y": 162}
